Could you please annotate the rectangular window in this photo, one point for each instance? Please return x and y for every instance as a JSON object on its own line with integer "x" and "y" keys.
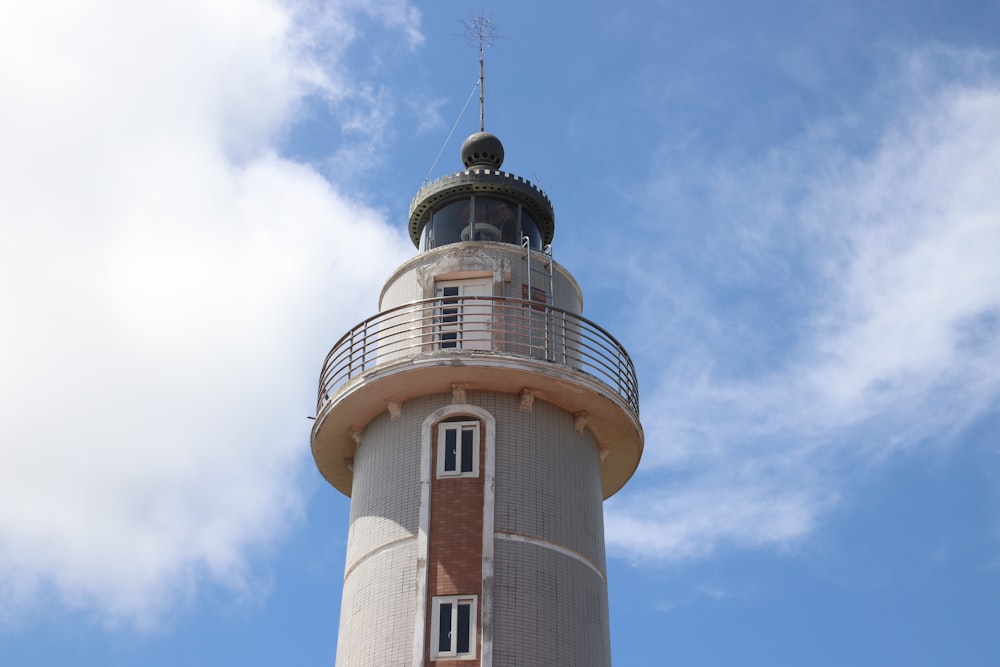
{"x": 458, "y": 449}
{"x": 453, "y": 627}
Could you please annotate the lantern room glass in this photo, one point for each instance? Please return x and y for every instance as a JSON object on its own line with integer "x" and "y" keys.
{"x": 480, "y": 219}
{"x": 449, "y": 222}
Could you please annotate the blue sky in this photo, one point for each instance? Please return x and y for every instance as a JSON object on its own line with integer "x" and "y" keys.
{"x": 789, "y": 213}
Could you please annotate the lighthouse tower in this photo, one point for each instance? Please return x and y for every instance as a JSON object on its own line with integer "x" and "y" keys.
{"x": 477, "y": 421}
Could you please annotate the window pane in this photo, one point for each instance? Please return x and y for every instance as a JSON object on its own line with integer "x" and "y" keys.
{"x": 427, "y": 236}
{"x": 464, "y": 626}
{"x": 450, "y": 448}
{"x": 467, "y": 434}
{"x": 450, "y": 313}
{"x": 530, "y": 229}
{"x": 444, "y": 628}
{"x": 449, "y": 222}
{"x": 449, "y": 306}
{"x": 496, "y": 220}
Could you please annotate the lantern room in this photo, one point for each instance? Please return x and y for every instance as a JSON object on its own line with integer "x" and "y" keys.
{"x": 481, "y": 203}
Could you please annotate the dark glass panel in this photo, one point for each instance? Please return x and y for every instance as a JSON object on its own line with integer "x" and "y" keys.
{"x": 496, "y": 220}
{"x": 464, "y": 628}
{"x": 530, "y": 229}
{"x": 450, "y": 450}
{"x": 449, "y": 306}
{"x": 444, "y": 628}
{"x": 467, "y": 449}
{"x": 449, "y": 222}
{"x": 449, "y": 316}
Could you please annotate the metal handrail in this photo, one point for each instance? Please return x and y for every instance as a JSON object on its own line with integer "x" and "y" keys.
{"x": 481, "y": 325}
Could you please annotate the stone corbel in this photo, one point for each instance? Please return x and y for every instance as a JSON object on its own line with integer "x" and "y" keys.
{"x": 527, "y": 399}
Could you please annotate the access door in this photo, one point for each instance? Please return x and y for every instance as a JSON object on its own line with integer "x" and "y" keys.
{"x": 464, "y": 321}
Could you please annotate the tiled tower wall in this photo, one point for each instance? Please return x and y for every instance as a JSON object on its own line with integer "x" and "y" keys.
{"x": 550, "y": 596}
{"x": 549, "y": 608}
{"x": 411, "y": 281}
{"x": 379, "y": 598}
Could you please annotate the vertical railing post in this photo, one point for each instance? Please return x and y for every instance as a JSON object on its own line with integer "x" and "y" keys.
{"x": 616, "y": 368}
{"x": 552, "y": 322}
{"x": 350, "y": 355}
{"x": 526, "y": 244}
{"x": 364, "y": 347}
{"x": 550, "y": 339}
{"x": 565, "y": 342}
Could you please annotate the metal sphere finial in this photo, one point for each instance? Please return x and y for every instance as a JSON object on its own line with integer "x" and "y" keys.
{"x": 482, "y": 149}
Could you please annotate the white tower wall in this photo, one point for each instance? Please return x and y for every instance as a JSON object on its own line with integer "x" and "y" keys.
{"x": 549, "y": 580}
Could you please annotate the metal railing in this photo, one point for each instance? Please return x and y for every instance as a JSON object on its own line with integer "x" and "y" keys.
{"x": 482, "y": 325}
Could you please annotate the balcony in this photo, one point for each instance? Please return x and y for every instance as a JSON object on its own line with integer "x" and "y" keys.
{"x": 478, "y": 343}
{"x": 485, "y": 328}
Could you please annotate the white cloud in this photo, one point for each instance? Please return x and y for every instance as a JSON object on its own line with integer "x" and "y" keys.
{"x": 428, "y": 112}
{"x": 692, "y": 521}
{"x": 168, "y": 285}
{"x": 924, "y": 236}
{"x": 881, "y": 278}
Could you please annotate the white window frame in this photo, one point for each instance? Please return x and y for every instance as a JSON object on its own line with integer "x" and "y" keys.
{"x": 452, "y": 653}
{"x": 458, "y": 427}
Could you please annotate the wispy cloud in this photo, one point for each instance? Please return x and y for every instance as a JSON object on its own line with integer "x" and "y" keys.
{"x": 165, "y": 278}
{"x": 428, "y": 112}
{"x": 880, "y": 268}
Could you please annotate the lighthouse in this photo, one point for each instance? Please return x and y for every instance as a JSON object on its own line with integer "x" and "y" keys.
{"x": 477, "y": 421}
